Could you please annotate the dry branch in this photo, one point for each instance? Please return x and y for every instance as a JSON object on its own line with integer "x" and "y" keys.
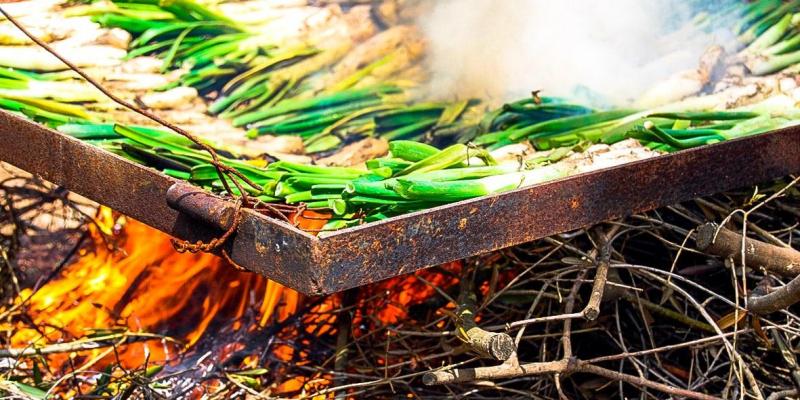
{"x": 667, "y": 313}
{"x": 507, "y": 370}
{"x": 777, "y": 300}
{"x": 565, "y": 366}
{"x": 783, "y": 394}
{"x": 782, "y": 261}
{"x": 602, "y": 256}
{"x": 512, "y": 367}
{"x": 592, "y": 309}
{"x": 722, "y": 242}
{"x": 494, "y": 345}
{"x": 81, "y": 345}
{"x": 641, "y": 382}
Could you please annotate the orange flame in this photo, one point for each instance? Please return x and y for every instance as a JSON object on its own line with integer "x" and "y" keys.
{"x": 141, "y": 284}
{"x": 130, "y": 278}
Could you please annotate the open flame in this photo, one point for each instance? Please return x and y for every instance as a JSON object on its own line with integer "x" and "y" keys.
{"x": 130, "y": 277}
{"x": 129, "y": 281}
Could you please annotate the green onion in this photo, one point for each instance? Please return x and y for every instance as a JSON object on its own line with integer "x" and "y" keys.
{"x": 411, "y": 151}
{"x": 466, "y": 189}
{"x": 448, "y": 157}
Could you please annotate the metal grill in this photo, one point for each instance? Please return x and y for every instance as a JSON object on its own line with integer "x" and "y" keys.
{"x": 372, "y": 252}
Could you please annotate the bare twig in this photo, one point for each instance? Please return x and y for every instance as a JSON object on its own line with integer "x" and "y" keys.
{"x": 512, "y": 368}
{"x": 507, "y": 370}
{"x": 668, "y": 313}
{"x": 777, "y": 300}
{"x": 788, "y": 354}
{"x": 80, "y": 345}
{"x": 344, "y": 322}
{"x": 564, "y": 366}
{"x": 494, "y": 345}
{"x": 592, "y": 309}
{"x": 783, "y": 394}
{"x": 722, "y": 242}
{"x": 641, "y": 382}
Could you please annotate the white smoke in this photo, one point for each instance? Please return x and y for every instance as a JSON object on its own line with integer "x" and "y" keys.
{"x": 605, "y": 51}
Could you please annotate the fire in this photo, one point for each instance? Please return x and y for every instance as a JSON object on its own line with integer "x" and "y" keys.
{"x": 128, "y": 281}
{"x": 129, "y": 278}
{"x": 407, "y": 291}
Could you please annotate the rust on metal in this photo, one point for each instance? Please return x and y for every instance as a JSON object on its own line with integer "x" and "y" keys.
{"x": 357, "y": 256}
{"x": 201, "y": 205}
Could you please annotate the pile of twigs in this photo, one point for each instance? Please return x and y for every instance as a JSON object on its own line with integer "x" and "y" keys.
{"x": 621, "y": 309}
{"x": 37, "y": 220}
{"x": 624, "y": 308}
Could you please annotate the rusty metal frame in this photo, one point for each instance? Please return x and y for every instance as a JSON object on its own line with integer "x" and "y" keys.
{"x": 356, "y": 256}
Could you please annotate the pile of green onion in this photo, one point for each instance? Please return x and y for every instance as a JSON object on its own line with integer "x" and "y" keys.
{"x": 665, "y": 131}
{"x": 769, "y": 30}
{"x": 43, "y": 98}
{"x": 263, "y": 89}
{"x": 182, "y": 33}
{"x": 327, "y": 120}
{"x": 413, "y": 177}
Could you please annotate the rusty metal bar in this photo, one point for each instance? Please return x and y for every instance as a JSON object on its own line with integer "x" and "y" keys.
{"x": 376, "y": 251}
{"x": 266, "y": 246}
{"x": 447, "y": 233}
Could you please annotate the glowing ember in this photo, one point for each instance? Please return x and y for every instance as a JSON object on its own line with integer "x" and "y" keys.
{"x": 406, "y": 291}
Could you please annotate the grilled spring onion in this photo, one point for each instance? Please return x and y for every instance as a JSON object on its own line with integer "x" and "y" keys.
{"x": 258, "y": 85}
{"x": 44, "y": 99}
{"x": 665, "y": 131}
{"x": 543, "y": 133}
{"x": 678, "y": 139}
{"x": 181, "y": 33}
{"x": 327, "y": 120}
{"x": 385, "y": 189}
{"x": 255, "y": 86}
{"x": 167, "y": 151}
{"x": 315, "y": 103}
{"x": 378, "y": 194}
{"x": 413, "y": 189}
{"x": 25, "y": 93}
{"x": 769, "y": 64}
{"x": 44, "y": 111}
{"x": 769, "y": 31}
{"x": 411, "y": 151}
{"x": 762, "y": 17}
{"x": 16, "y": 83}
{"x": 773, "y": 38}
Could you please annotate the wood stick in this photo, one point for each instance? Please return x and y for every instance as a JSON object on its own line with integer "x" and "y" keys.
{"x": 507, "y": 370}
{"x": 668, "y": 313}
{"x": 783, "y": 394}
{"x": 79, "y": 345}
{"x": 493, "y": 345}
{"x": 564, "y": 367}
{"x": 642, "y": 382}
{"x": 592, "y": 309}
{"x": 344, "y": 322}
{"x": 779, "y": 299}
{"x": 722, "y": 242}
